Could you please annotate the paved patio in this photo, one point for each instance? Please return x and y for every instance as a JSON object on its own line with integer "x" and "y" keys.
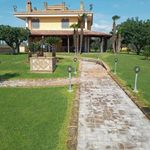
{"x": 108, "y": 119}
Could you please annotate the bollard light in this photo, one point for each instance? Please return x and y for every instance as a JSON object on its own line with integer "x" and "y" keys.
{"x": 116, "y": 61}
{"x": 75, "y": 67}
{"x": 136, "y": 70}
{"x": 70, "y": 86}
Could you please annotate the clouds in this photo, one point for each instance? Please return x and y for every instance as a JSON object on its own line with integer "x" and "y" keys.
{"x": 102, "y": 23}
{"x": 102, "y": 27}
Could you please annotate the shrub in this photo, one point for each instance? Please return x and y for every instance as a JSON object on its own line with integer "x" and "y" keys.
{"x": 146, "y": 52}
{"x": 34, "y": 47}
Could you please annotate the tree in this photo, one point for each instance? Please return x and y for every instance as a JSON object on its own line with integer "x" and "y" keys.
{"x": 146, "y": 52}
{"x": 51, "y": 42}
{"x": 82, "y": 24}
{"x": 34, "y": 46}
{"x": 21, "y": 34}
{"x": 75, "y": 27}
{"x": 13, "y": 36}
{"x": 136, "y": 33}
{"x": 114, "y": 36}
{"x": 118, "y": 39}
{"x": 95, "y": 45}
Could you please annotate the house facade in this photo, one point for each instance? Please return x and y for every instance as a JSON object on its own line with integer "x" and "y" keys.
{"x": 56, "y": 20}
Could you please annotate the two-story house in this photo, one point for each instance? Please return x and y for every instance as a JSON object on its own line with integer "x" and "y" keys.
{"x": 55, "y": 20}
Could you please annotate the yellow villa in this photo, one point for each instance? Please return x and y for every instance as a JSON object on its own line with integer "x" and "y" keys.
{"x": 55, "y": 20}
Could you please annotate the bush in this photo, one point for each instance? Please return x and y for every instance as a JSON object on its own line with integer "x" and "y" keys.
{"x": 34, "y": 47}
{"x": 95, "y": 46}
{"x": 146, "y": 52}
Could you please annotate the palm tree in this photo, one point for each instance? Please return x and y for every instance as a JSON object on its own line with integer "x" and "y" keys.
{"x": 82, "y": 24}
{"x": 75, "y": 27}
{"x": 114, "y": 18}
{"x": 119, "y": 38}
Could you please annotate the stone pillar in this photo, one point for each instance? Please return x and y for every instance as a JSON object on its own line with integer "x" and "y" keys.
{"x": 88, "y": 44}
{"x": 85, "y": 44}
{"x": 102, "y": 45}
{"x": 29, "y": 6}
{"x": 68, "y": 44}
{"x": 105, "y": 44}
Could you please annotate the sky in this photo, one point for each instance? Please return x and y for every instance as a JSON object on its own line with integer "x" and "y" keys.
{"x": 103, "y": 10}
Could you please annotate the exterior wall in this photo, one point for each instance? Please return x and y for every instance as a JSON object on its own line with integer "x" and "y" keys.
{"x": 53, "y": 23}
{"x": 88, "y": 25}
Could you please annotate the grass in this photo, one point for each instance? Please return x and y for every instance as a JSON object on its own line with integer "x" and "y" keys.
{"x": 126, "y": 73}
{"x": 34, "y": 118}
{"x": 16, "y": 67}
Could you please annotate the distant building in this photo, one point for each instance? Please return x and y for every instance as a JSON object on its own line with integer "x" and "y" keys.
{"x": 55, "y": 20}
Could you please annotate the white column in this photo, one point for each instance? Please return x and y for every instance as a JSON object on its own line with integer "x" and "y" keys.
{"x": 27, "y": 25}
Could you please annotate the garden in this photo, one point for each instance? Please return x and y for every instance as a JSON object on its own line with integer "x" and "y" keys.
{"x": 35, "y": 118}
{"x": 17, "y": 67}
{"x": 38, "y": 118}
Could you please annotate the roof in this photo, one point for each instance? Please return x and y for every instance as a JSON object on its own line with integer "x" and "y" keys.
{"x": 54, "y": 12}
{"x": 67, "y": 33}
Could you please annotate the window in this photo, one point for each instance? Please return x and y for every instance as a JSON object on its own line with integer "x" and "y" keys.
{"x": 65, "y": 23}
{"x": 35, "y": 23}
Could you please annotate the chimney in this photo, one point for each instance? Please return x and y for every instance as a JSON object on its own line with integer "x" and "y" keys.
{"x": 29, "y": 6}
{"x": 45, "y": 5}
{"x": 81, "y": 5}
{"x": 64, "y": 5}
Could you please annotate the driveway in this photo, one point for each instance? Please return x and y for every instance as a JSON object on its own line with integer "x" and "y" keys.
{"x": 108, "y": 119}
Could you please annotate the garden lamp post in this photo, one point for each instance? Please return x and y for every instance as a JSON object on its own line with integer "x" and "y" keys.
{"x": 116, "y": 61}
{"x": 136, "y": 70}
{"x": 75, "y": 65}
{"x": 69, "y": 71}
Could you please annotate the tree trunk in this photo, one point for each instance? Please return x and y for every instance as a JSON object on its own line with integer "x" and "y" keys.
{"x": 138, "y": 49}
{"x": 13, "y": 51}
{"x": 81, "y": 39}
{"x": 18, "y": 48}
{"x": 74, "y": 40}
{"x": 114, "y": 45}
{"x": 119, "y": 43}
{"x": 114, "y": 37}
{"x": 77, "y": 46}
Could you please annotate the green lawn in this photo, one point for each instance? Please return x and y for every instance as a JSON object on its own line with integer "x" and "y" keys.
{"x": 125, "y": 70}
{"x": 34, "y": 118}
{"x": 16, "y": 66}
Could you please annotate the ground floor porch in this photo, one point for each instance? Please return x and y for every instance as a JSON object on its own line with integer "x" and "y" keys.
{"x": 67, "y": 40}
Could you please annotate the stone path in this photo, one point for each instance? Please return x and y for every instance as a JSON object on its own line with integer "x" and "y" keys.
{"x": 108, "y": 119}
{"x": 37, "y": 82}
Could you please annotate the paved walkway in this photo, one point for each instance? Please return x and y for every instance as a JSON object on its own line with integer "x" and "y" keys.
{"x": 37, "y": 82}
{"x": 108, "y": 119}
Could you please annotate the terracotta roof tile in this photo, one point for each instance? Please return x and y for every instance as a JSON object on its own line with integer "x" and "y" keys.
{"x": 67, "y": 33}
